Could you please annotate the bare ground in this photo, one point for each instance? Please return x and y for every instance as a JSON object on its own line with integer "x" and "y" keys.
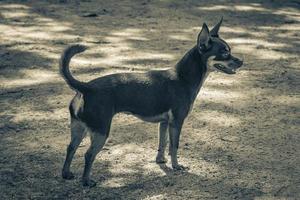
{"x": 240, "y": 142}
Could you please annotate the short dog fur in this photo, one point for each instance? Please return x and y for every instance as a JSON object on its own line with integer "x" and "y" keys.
{"x": 161, "y": 96}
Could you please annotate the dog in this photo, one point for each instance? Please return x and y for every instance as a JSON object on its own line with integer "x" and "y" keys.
{"x": 160, "y": 96}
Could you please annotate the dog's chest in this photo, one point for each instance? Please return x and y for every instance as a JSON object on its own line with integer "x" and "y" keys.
{"x": 196, "y": 91}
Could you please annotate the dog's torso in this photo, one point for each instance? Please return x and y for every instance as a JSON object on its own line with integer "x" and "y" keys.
{"x": 145, "y": 94}
{"x": 152, "y": 96}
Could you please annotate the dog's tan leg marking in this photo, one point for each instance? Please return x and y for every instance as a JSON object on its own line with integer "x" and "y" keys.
{"x": 78, "y": 132}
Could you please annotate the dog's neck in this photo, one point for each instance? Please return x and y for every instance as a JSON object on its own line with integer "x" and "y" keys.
{"x": 192, "y": 69}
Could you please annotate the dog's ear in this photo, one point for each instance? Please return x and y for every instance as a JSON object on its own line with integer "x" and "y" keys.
{"x": 215, "y": 31}
{"x": 203, "y": 38}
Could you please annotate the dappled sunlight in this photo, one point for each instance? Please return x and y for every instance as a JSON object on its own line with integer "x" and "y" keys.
{"x": 156, "y": 196}
{"x": 291, "y": 13}
{"x": 260, "y": 48}
{"x": 15, "y": 6}
{"x": 32, "y": 77}
{"x": 116, "y": 54}
{"x": 239, "y": 30}
{"x": 19, "y": 10}
{"x": 49, "y": 31}
{"x": 181, "y": 37}
{"x": 129, "y": 34}
{"x": 44, "y": 28}
{"x": 259, "y": 44}
{"x": 122, "y": 48}
{"x": 285, "y": 100}
{"x": 253, "y": 7}
{"x": 220, "y": 95}
{"x": 280, "y": 28}
{"x": 218, "y": 118}
{"x": 19, "y": 14}
{"x": 28, "y": 112}
{"x": 118, "y": 51}
{"x": 261, "y": 54}
{"x": 115, "y": 58}
{"x": 248, "y": 41}
{"x": 215, "y": 78}
{"x": 114, "y": 182}
{"x": 219, "y": 86}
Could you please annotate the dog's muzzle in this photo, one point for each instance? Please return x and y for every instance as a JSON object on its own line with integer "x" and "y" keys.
{"x": 229, "y": 66}
{"x": 223, "y": 68}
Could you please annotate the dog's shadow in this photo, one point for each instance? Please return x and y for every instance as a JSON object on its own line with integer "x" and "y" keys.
{"x": 168, "y": 171}
{"x": 195, "y": 184}
{"x": 171, "y": 172}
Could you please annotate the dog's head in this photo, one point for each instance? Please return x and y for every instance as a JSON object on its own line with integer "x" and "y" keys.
{"x": 216, "y": 50}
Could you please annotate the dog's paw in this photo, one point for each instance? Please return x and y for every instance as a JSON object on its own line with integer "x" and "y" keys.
{"x": 179, "y": 167}
{"x": 89, "y": 183}
{"x": 161, "y": 160}
{"x": 68, "y": 175}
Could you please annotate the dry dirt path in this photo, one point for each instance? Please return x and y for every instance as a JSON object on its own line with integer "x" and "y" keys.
{"x": 241, "y": 141}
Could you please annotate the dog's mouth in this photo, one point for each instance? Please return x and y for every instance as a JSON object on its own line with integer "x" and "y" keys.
{"x": 225, "y": 69}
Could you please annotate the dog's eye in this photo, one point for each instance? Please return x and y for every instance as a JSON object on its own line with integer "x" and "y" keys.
{"x": 225, "y": 54}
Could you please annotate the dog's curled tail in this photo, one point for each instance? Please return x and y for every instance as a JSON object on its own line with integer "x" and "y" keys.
{"x": 66, "y": 56}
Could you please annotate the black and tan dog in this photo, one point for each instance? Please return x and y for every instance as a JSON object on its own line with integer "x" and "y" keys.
{"x": 162, "y": 96}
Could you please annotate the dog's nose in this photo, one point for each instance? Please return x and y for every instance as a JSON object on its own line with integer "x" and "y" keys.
{"x": 239, "y": 61}
{"x": 242, "y": 59}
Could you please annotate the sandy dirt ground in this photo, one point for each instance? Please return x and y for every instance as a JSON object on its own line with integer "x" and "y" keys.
{"x": 241, "y": 141}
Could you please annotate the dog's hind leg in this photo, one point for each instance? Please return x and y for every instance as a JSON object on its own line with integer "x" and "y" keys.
{"x": 163, "y": 127}
{"x": 77, "y": 134}
{"x": 98, "y": 139}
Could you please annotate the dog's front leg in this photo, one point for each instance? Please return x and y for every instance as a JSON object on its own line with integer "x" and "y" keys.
{"x": 163, "y": 127}
{"x": 174, "y": 134}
